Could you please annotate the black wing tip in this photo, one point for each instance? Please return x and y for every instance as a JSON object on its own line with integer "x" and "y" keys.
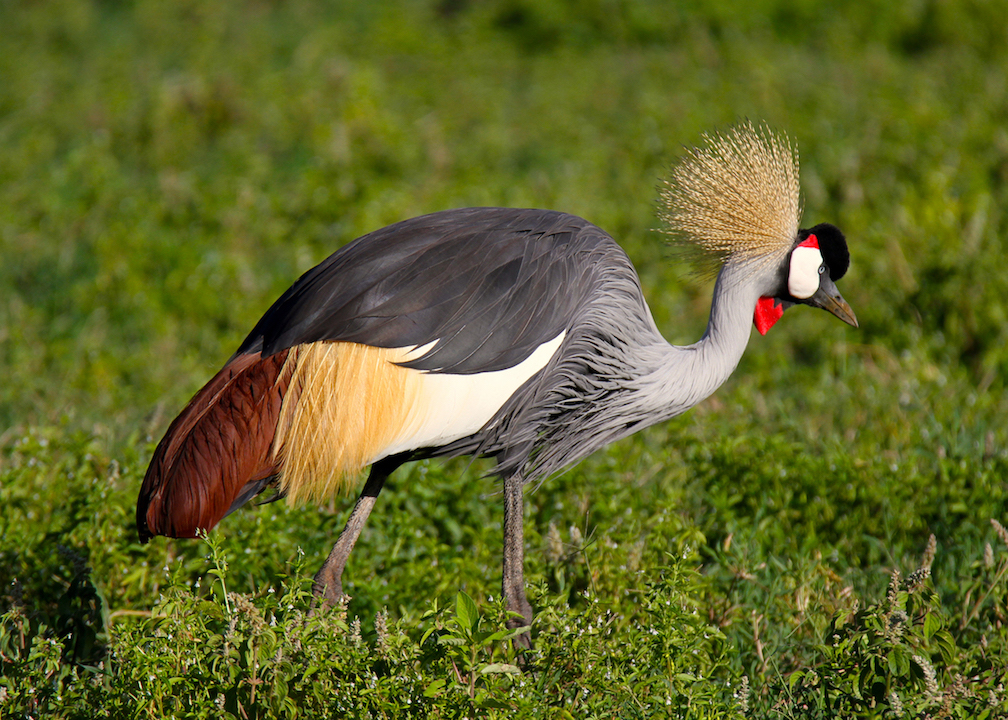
{"x": 144, "y": 533}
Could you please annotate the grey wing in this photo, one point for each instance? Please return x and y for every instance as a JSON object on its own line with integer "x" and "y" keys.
{"x": 584, "y": 397}
{"x": 487, "y": 286}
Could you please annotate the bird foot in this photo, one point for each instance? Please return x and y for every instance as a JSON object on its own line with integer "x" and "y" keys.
{"x": 520, "y": 616}
{"x": 522, "y": 642}
{"x": 328, "y": 592}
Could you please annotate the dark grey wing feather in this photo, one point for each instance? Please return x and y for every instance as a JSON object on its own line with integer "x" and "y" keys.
{"x": 489, "y": 284}
{"x": 565, "y": 411}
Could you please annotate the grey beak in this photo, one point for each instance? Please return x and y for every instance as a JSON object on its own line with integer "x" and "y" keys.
{"x": 829, "y": 299}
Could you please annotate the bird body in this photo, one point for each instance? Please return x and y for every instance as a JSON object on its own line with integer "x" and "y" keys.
{"x": 517, "y": 334}
{"x": 412, "y": 368}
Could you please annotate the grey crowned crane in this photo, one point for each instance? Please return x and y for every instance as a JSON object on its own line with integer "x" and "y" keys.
{"x": 520, "y": 335}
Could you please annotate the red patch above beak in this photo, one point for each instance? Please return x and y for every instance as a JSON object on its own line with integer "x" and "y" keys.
{"x": 768, "y": 311}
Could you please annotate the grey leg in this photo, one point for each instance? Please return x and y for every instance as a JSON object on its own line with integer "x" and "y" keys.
{"x": 514, "y": 553}
{"x": 328, "y": 583}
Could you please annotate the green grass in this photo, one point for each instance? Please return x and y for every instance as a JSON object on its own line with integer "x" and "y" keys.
{"x": 169, "y": 168}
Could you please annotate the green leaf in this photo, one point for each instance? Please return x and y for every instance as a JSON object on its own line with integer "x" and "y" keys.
{"x": 795, "y": 677}
{"x": 931, "y": 625}
{"x": 946, "y": 644}
{"x": 504, "y": 668}
{"x": 507, "y": 634}
{"x": 435, "y": 688}
{"x": 426, "y": 634}
{"x": 466, "y": 612}
{"x": 899, "y": 662}
{"x": 861, "y": 680}
{"x": 212, "y": 610}
{"x": 493, "y": 703}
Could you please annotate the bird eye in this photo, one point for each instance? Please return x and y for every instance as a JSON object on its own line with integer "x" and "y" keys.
{"x": 822, "y": 269}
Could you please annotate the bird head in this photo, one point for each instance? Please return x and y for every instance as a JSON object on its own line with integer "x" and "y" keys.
{"x": 735, "y": 201}
{"x": 808, "y": 277}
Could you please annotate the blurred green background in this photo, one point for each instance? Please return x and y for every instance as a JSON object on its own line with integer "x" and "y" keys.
{"x": 168, "y": 169}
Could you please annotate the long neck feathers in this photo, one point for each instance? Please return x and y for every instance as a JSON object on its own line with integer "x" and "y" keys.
{"x": 733, "y": 204}
{"x": 682, "y": 376}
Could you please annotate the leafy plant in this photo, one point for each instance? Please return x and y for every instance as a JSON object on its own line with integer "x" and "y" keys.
{"x": 471, "y": 650}
{"x": 170, "y": 168}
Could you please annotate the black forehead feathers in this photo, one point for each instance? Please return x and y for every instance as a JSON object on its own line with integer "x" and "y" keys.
{"x": 833, "y": 247}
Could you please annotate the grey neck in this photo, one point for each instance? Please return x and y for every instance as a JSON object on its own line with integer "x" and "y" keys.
{"x": 683, "y": 376}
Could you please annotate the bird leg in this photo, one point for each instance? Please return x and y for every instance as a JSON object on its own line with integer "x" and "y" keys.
{"x": 328, "y": 584}
{"x": 514, "y": 551}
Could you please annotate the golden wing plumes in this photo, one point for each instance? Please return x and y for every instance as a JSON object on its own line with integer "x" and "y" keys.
{"x": 734, "y": 200}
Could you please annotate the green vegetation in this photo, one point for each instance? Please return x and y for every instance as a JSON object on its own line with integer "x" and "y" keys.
{"x": 169, "y": 168}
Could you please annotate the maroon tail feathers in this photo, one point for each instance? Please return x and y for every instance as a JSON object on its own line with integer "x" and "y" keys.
{"x": 218, "y": 447}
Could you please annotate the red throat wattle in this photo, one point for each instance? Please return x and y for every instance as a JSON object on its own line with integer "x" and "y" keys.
{"x": 768, "y": 311}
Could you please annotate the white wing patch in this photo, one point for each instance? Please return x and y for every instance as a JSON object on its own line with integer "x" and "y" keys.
{"x": 449, "y": 407}
{"x": 803, "y": 275}
{"x": 349, "y": 405}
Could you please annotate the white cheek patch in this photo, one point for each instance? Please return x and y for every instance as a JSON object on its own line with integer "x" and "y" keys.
{"x": 803, "y": 276}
